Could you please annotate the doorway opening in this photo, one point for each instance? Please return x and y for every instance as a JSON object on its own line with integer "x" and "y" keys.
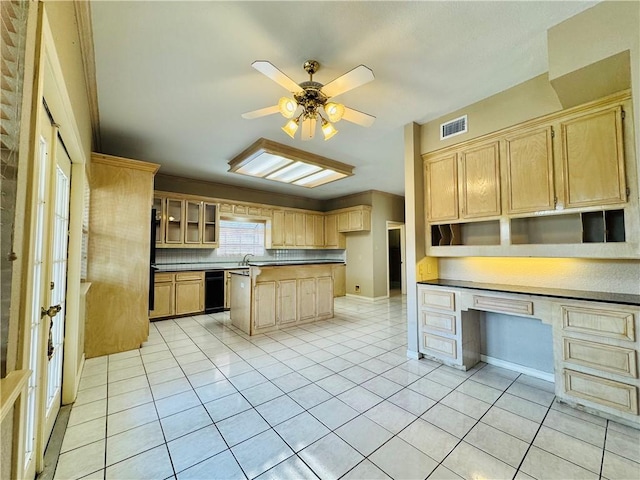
{"x": 396, "y": 271}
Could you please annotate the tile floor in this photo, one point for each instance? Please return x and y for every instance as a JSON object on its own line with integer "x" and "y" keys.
{"x": 337, "y": 399}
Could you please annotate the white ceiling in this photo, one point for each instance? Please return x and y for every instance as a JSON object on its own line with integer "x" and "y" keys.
{"x": 174, "y": 77}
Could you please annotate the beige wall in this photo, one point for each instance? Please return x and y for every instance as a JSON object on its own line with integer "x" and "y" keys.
{"x": 385, "y": 207}
{"x": 596, "y": 34}
{"x": 362, "y": 198}
{"x": 367, "y": 251}
{"x": 571, "y": 44}
{"x": 531, "y": 99}
{"x": 359, "y": 269}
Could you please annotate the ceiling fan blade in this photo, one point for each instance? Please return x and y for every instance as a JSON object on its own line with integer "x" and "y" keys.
{"x": 262, "y": 112}
{"x": 350, "y": 80}
{"x": 357, "y": 117}
{"x": 271, "y": 71}
{"x": 308, "y": 128}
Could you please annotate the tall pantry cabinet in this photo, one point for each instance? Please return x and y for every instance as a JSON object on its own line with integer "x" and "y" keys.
{"x": 117, "y": 317}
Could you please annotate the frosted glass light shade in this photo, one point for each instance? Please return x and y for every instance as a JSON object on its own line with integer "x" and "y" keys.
{"x": 328, "y": 130}
{"x": 290, "y": 128}
{"x": 287, "y": 107}
{"x": 334, "y": 111}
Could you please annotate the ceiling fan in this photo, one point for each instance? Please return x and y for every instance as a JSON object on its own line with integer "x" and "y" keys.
{"x": 310, "y": 102}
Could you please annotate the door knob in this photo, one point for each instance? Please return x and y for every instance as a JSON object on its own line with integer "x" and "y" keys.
{"x": 52, "y": 311}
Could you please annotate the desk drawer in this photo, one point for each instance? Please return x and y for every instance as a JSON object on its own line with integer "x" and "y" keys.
{"x": 503, "y": 305}
{"x": 440, "y": 299}
{"x": 608, "y": 358}
{"x": 616, "y": 324}
{"x": 439, "y": 321}
{"x": 441, "y": 346}
{"x": 605, "y": 392}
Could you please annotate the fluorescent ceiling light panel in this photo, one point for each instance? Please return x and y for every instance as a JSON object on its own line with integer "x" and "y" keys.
{"x": 264, "y": 164}
{"x": 320, "y": 178}
{"x": 293, "y": 172}
{"x": 274, "y": 161}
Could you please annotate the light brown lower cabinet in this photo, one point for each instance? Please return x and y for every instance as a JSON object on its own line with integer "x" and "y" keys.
{"x": 179, "y": 293}
{"x": 164, "y": 295}
{"x": 274, "y": 297}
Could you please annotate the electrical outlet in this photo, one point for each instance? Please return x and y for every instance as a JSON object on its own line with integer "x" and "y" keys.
{"x": 357, "y": 288}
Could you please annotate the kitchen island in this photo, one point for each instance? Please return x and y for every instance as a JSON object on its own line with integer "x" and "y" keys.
{"x": 279, "y": 295}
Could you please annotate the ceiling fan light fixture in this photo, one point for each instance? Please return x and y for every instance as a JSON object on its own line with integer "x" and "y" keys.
{"x": 328, "y": 130}
{"x": 287, "y": 107}
{"x": 334, "y": 111}
{"x": 308, "y": 127}
{"x": 291, "y": 127}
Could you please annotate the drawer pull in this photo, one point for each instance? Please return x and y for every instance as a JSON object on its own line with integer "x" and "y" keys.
{"x": 608, "y": 358}
{"x": 605, "y": 392}
{"x": 503, "y": 305}
{"x": 596, "y": 321}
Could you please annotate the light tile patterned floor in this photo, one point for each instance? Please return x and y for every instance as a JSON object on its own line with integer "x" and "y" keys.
{"x": 336, "y": 399}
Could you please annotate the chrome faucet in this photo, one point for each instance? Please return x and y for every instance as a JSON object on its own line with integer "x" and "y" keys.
{"x": 245, "y": 259}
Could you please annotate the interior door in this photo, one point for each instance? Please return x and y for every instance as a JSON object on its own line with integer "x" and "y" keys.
{"x": 57, "y": 273}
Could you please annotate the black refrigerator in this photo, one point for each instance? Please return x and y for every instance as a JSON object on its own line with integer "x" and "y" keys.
{"x": 152, "y": 258}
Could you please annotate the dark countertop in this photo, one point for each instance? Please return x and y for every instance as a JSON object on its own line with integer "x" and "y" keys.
{"x": 619, "y": 298}
{"x": 284, "y": 263}
{"x": 193, "y": 267}
{"x": 211, "y": 266}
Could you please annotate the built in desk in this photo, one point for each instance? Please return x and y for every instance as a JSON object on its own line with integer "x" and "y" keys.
{"x": 595, "y": 344}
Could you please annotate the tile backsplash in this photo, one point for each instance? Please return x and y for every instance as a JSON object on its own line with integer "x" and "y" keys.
{"x": 193, "y": 255}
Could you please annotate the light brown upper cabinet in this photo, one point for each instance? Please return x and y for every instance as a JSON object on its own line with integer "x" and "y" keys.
{"x": 441, "y": 185}
{"x": 529, "y": 171}
{"x": 314, "y": 231}
{"x": 193, "y": 222}
{"x": 475, "y": 171}
{"x": 277, "y": 229}
{"x": 158, "y": 206}
{"x": 174, "y": 225}
{"x": 593, "y": 159}
{"x": 185, "y": 222}
{"x": 210, "y": 231}
{"x": 480, "y": 181}
{"x": 354, "y": 219}
{"x": 554, "y": 186}
{"x": 299, "y": 224}
{"x": 333, "y": 238}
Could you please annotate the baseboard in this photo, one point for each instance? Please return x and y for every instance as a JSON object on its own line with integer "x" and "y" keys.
{"x": 414, "y": 355}
{"x": 549, "y": 377}
{"x": 368, "y": 299}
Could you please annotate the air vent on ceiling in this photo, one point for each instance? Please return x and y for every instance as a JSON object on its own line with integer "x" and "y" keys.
{"x": 453, "y": 128}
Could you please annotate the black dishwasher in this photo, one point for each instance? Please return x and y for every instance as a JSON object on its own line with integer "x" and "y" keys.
{"x": 214, "y": 291}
